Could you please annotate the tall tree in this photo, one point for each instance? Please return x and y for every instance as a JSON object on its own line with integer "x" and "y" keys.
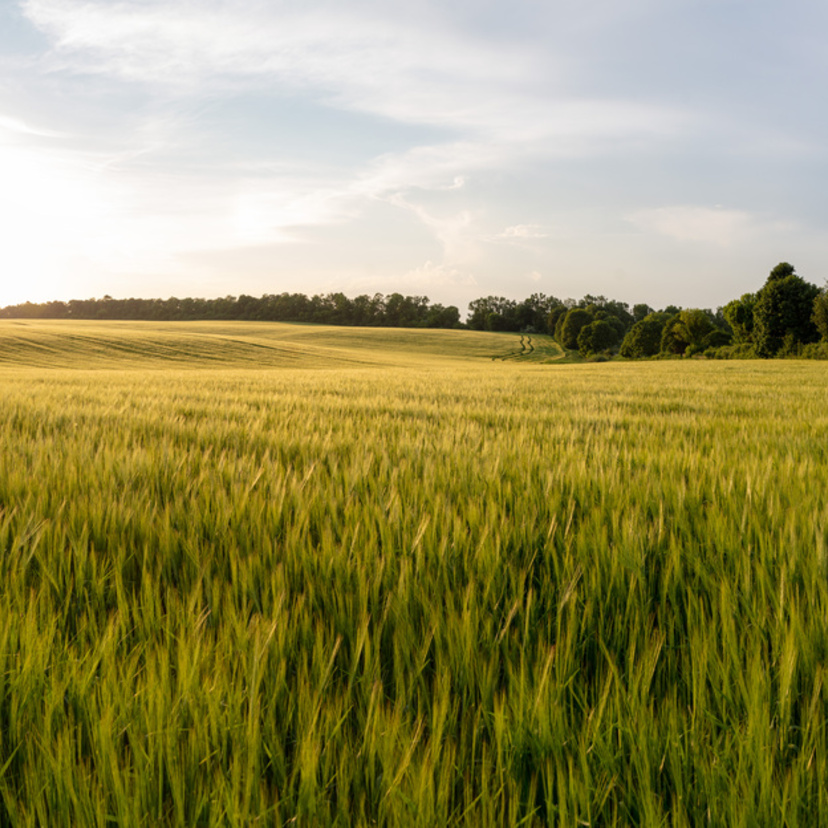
{"x": 782, "y": 316}
{"x": 575, "y": 320}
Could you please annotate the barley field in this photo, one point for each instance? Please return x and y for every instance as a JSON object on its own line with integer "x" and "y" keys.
{"x": 261, "y": 574}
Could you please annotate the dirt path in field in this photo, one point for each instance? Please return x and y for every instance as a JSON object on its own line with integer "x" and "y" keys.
{"x": 539, "y": 351}
{"x": 526, "y": 348}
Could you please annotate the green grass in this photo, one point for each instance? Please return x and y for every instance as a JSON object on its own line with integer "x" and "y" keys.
{"x": 425, "y": 588}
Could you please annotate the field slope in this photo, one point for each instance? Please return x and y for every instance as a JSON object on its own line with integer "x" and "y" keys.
{"x": 40, "y": 343}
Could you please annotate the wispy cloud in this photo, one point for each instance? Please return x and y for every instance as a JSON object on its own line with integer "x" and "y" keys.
{"x": 174, "y": 42}
{"x": 500, "y": 104}
{"x": 359, "y": 58}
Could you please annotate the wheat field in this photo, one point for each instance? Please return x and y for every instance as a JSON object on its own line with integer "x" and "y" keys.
{"x": 292, "y": 575}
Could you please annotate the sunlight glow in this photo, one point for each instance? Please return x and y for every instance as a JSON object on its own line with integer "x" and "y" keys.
{"x": 52, "y": 217}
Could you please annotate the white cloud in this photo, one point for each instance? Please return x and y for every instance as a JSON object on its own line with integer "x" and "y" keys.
{"x": 174, "y": 41}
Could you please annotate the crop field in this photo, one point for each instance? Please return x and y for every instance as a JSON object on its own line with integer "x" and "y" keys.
{"x": 189, "y": 345}
{"x": 261, "y": 574}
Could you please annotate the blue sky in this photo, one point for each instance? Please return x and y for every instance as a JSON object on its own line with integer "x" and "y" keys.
{"x": 665, "y": 151}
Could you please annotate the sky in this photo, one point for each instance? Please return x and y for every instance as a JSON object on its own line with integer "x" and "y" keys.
{"x": 659, "y": 151}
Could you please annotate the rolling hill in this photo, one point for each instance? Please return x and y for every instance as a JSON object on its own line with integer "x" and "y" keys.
{"x": 69, "y": 344}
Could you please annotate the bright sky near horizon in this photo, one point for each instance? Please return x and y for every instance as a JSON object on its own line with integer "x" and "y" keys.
{"x": 660, "y": 151}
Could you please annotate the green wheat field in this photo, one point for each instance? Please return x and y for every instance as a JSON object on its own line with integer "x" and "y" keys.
{"x": 259, "y": 574}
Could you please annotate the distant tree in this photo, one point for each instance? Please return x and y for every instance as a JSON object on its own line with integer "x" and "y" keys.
{"x": 440, "y": 317}
{"x": 556, "y": 313}
{"x": 699, "y": 324}
{"x": 641, "y": 311}
{"x": 644, "y": 337}
{"x": 557, "y": 332}
{"x": 820, "y": 315}
{"x": 338, "y": 309}
{"x": 783, "y": 313}
{"x": 673, "y": 340}
{"x": 497, "y": 321}
{"x": 617, "y": 310}
{"x": 596, "y": 337}
{"x": 476, "y": 319}
{"x": 247, "y": 307}
{"x": 739, "y": 315}
{"x": 363, "y": 310}
{"x": 620, "y": 324}
{"x": 717, "y": 338}
{"x": 405, "y": 311}
{"x": 531, "y": 314}
{"x": 781, "y": 271}
{"x": 575, "y": 319}
{"x": 492, "y": 313}
{"x": 686, "y": 332}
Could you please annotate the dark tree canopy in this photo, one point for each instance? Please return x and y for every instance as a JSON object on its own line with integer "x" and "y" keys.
{"x": 641, "y": 311}
{"x": 394, "y": 310}
{"x": 783, "y": 313}
{"x": 644, "y": 337}
{"x": 596, "y": 337}
{"x": 574, "y": 320}
{"x": 781, "y": 271}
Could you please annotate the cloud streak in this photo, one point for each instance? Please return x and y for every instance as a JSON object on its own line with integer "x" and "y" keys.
{"x": 360, "y": 59}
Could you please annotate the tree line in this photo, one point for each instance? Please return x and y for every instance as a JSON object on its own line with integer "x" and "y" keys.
{"x": 394, "y": 310}
{"x": 787, "y": 316}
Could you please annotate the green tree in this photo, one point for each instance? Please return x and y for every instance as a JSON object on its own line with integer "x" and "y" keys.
{"x": 644, "y": 338}
{"x": 781, "y": 271}
{"x": 739, "y": 315}
{"x": 686, "y": 332}
{"x": 820, "y": 315}
{"x": 783, "y": 314}
{"x": 443, "y": 317}
{"x": 619, "y": 324}
{"x": 493, "y": 313}
{"x": 641, "y": 311}
{"x": 574, "y": 321}
{"x": 673, "y": 339}
{"x": 557, "y": 313}
{"x": 596, "y": 337}
{"x": 531, "y": 314}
